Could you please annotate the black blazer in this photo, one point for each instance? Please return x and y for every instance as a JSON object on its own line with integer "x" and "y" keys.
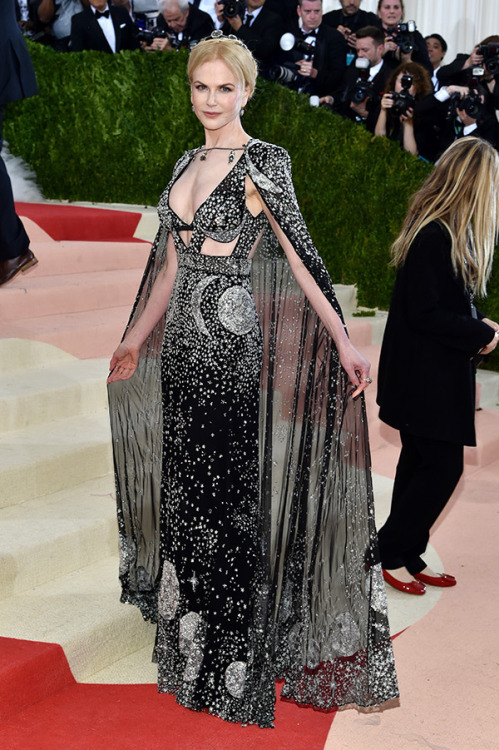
{"x": 419, "y": 54}
{"x": 426, "y": 379}
{"x": 86, "y": 32}
{"x": 262, "y": 37}
{"x": 329, "y": 59}
{"x": 454, "y": 73}
{"x": 17, "y": 76}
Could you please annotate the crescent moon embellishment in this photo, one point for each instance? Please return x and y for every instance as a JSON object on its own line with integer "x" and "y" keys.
{"x": 197, "y": 296}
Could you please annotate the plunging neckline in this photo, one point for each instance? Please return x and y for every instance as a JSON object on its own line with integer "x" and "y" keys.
{"x": 189, "y": 226}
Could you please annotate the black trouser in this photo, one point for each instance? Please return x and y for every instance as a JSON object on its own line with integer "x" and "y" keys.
{"x": 13, "y": 238}
{"x": 427, "y": 474}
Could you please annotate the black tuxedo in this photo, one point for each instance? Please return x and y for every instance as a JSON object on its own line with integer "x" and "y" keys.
{"x": 199, "y": 25}
{"x": 262, "y": 37}
{"x": 329, "y": 59}
{"x": 355, "y": 22}
{"x": 17, "y": 81}
{"x": 87, "y": 34}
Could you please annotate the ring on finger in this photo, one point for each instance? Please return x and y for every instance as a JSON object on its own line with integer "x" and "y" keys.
{"x": 367, "y": 380}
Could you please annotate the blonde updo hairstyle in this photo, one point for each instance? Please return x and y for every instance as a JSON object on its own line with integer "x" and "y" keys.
{"x": 233, "y": 53}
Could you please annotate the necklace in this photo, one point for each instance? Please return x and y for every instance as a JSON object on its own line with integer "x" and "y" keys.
{"x": 204, "y": 152}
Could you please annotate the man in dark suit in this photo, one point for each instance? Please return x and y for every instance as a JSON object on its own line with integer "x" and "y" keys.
{"x": 184, "y": 25}
{"x": 102, "y": 28}
{"x": 350, "y": 19}
{"x": 370, "y": 46}
{"x": 320, "y": 71}
{"x": 257, "y": 26}
{"x": 17, "y": 81}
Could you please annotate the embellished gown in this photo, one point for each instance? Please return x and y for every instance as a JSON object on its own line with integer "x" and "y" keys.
{"x": 242, "y": 465}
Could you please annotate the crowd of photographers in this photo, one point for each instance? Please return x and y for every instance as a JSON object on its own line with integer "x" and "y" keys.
{"x": 373, "y": 68}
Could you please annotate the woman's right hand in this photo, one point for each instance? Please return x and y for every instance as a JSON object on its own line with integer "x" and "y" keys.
{"x": 124, "y": 362}
{"x": 387, "y": 101}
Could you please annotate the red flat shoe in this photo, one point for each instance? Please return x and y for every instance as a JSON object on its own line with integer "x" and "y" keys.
{"x": 411, "y": 587}
{"x": 443, "y": 579}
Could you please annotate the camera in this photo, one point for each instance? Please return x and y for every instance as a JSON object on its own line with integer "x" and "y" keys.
{"x": 472, "y": 102}
{"x": 361, "y": 89}
{"x": 402, "y": 35}
{"x": 306, "y": 46}
{"x": 402, "y": 100}
{"x": 285, "y": 74}
{"x": 148, "y": 30}
{"x": 490, "y": 53}
{"x": 233, "y": 8}
{"x": 148, "y": 35}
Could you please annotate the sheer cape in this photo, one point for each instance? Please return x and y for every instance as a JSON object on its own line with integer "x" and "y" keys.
{"x": 322, "y": 607}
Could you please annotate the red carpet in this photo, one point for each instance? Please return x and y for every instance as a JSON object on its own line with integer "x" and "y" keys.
{"x": 66, "y": 222}
{"x": 126, "y": 717}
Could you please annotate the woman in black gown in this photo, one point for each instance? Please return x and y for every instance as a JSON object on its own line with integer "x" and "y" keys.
{"x": 240, "y": 442}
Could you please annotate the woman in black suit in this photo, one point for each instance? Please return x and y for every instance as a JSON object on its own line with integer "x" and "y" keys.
{"x": 428, "y": 358}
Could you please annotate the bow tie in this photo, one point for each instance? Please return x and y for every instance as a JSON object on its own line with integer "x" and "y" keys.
{"x": 103, "y": 14}
{"x": 309, "y": 33}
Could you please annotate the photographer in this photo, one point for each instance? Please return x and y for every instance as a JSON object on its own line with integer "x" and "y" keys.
{"x": 460, "y": 111}
{"x": 180, "y": 25}
{"x": 361, "y": 95}
{"x": 437, "y": 47}
{"x": 317, "y": 59}
{"x": 407, "y": 85}
{"x": 254, "y": 24}
{"x": 401, "y": 45}
{"x": 460, "y": 70}
{"x": 349, "y": 20}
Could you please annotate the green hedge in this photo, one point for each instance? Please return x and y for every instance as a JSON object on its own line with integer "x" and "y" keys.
{"x": 110, "y": 128}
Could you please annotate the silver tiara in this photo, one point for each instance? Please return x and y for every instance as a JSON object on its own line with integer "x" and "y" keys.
{"x": 218, "y": 34}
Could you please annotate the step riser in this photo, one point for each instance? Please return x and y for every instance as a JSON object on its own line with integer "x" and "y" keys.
{"x": 63, "y": 469}
{"x": 46, "y": 561}
{"x": 108, "y": 642}
{"x": 72, "y": 298}
{"x": 61, "y": 258}
{"x": 84, "y": 342}
{"x": 25, "y": 411}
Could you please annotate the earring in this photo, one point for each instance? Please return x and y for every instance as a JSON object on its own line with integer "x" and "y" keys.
{"x": 241, "y": 113}
{"x": 192, "y": 107}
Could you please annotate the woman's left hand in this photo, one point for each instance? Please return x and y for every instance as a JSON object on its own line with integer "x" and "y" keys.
{"x": 491, "y": 323}
{"x": 407, "y": 118}
{"x": 357, "y": 368}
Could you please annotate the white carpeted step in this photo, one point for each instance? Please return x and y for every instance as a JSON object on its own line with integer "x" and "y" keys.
{"x": 82, "y": 612}
{"x": 87, "y": 334}
{"x": 49, "y": 457}
{"x": 52, "y": 535}
{"x": 31, "y": 395}
{"x": 73, "y": 292}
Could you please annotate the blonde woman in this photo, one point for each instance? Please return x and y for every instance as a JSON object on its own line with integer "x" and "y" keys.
{"x": 240, "y": 437}
{"x": 426, "y": 389}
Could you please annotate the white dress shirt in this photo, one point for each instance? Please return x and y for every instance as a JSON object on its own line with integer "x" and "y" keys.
{"x": 107, "y": 27}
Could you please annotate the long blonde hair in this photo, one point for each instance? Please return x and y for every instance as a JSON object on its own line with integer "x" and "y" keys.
{"x": 462, "y": 193}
